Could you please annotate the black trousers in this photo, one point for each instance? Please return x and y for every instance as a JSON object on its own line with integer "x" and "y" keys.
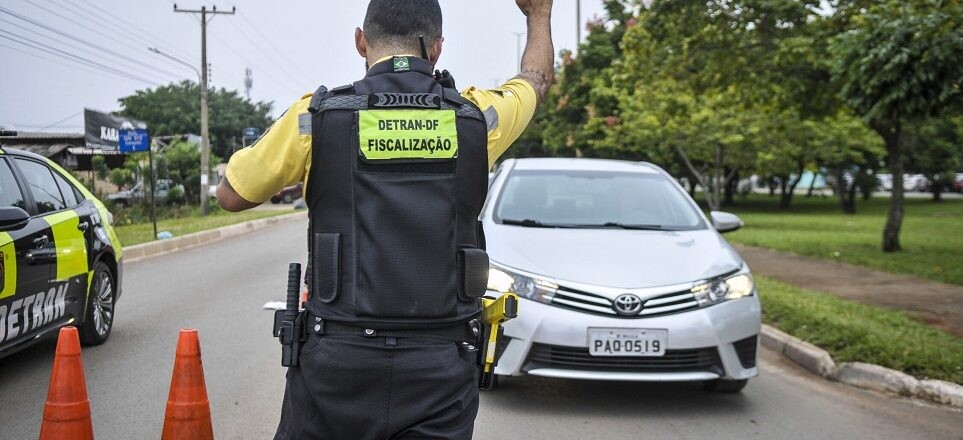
{"x": 357, "y": 388}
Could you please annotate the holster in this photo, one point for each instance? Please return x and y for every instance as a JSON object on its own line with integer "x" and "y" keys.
{"x": 486, "y": 380}
{"x": 291, "y": 334}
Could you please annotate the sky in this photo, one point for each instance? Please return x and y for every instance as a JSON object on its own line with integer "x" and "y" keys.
{"x": 291, "y": 46}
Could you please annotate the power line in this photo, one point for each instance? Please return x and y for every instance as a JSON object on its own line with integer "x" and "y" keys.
{"x": 54, "y": 51}
{"x": 85, "y": 14}
{"x": 59, "y": 32}
{"x": 172, "y": 49}
{"x": 55, "y": 124}
{"x": 267, "y": 54}
{"x": 284, "y": 84}
{"x": 142, "y": 69}
{"x": 73, "y": 7}
{"x": 121, "y": 57}
{"x": 281, "y": 53}
{"x": 52, "y": 60}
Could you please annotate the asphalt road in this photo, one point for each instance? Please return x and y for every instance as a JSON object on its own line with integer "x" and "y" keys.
{"x": 220, "y": 289}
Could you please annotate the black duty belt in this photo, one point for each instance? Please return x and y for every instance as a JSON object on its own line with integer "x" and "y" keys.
{"x": 460, "y": 332}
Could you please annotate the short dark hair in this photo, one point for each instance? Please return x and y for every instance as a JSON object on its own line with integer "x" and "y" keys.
{"x": 399, "y": 23}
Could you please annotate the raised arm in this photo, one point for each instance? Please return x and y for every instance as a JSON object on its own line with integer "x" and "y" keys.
{"x": 538, "y": 61}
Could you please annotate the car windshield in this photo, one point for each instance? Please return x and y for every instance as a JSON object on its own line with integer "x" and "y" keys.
{"x": 595, "y": 199}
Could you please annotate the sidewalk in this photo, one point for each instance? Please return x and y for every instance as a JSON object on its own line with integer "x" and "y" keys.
{"x": 937, "y": 304}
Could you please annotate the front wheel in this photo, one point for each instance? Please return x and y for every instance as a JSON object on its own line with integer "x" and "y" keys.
{"x": 99, "y": 318}
{"x": 724, "y": 386}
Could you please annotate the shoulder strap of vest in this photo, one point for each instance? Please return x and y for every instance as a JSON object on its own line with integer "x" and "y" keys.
{"x": 341, "y": 98}
{"x": 319, "y": 96}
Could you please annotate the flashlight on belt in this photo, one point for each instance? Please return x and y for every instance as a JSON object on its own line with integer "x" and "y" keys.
{"x": 495, "y": 312}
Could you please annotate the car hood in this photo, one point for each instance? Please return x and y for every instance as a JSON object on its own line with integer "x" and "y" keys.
{"x": 612, "y": 257}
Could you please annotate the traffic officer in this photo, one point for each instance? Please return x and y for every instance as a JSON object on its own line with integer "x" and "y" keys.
{"x": 395, "y": 171}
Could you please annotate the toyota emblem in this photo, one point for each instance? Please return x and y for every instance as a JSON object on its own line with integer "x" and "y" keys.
{"x": 627, "y": 305}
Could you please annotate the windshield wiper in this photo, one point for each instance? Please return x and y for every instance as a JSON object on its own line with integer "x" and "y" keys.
{"x": 634, "y": 227}
{"x": 528, "y": 223}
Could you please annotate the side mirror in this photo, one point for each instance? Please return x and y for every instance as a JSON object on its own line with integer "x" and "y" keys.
{"x": 725, "y": 222}
{"x": 13, "y": 218}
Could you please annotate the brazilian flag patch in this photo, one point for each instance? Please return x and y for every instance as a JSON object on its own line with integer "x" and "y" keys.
{"x": 401, "y": 64}
{"x": 408, "y": 134}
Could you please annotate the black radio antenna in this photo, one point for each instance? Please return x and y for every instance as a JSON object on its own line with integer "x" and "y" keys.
{"x": 424, "y": 48}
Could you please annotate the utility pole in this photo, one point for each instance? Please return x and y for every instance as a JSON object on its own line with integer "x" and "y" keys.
{"x": 248, "y": 82}
{"x": 578, "y": 25}
{"x": 518, "y": 48}
{"x": 205, "y": 136}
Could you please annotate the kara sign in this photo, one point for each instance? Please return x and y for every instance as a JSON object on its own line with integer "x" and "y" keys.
{"x": 104, "y": 131}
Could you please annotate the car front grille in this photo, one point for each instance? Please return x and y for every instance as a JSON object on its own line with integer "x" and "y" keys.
{"x": 666, "y": 304}
{"x": 578, "y": 358}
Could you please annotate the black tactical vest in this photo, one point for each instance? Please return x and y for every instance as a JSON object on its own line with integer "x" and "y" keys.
{"x": 399, "y": 174}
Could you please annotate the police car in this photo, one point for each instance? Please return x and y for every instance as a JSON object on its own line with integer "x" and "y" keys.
{"x": 61, "y": 259}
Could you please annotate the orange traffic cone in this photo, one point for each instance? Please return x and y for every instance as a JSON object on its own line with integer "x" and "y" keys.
{"x": 188, "y": 410}
{"x": 66, "y": 415}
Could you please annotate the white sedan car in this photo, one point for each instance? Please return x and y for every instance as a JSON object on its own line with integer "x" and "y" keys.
{"x": 622, "y": 276}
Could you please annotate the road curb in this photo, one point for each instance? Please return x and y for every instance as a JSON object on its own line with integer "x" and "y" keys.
{"x": 803, "y": 353}
{"x": 859, "y": 374}
{"x": 160, "y": 247}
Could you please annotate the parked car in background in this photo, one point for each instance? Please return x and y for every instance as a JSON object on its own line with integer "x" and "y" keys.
{"x": 911, "y": 182}
{"x": 138, "y": 193}
{"x": 60, "y": 260}
{"x": 622, "y": 276}
{"x": 288, "y": 195}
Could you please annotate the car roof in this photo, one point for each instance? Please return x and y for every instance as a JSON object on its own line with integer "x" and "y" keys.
{"x": 584, "y": 164}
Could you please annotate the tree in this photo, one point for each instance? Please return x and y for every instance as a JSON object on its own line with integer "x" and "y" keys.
{"x": 99, "y": 165}
{"x": 175, "y": 109}
{"x": 181, "y": 162}
{"x": 900, "y": 64}
{"x": 850, "y": 151}
{"x": 938, "y": 150}
{"x": 580, "y": 92}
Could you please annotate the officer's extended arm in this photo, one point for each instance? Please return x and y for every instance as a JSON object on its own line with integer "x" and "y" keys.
{"x": 538, "y": 62}
{"x": 230, "y": 200}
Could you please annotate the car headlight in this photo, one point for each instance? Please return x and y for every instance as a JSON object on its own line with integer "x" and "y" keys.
{"x": 717, "y": 291}
{"x": 505, "y": 281}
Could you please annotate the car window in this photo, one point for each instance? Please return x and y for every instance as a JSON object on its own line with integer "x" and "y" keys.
{"x": 10, "y": 194}
{"x": 67, "y": 190}
{"x": 42, "y": 185}
{"x": 596, "y": 199}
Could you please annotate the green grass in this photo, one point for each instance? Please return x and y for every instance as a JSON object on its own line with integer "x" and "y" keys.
{"x": 932, "y": 234}
{"x": 137, "y": 233}
{"x": 853, "y": 332}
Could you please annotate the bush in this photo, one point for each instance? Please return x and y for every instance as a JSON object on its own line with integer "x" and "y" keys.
{"x": 856, "y": 332}
{"x": 175, "y": 196}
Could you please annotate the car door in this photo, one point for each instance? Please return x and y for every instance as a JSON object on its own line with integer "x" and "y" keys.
{"x": 65, "y": 246}
{"x": 84, "y": 224}
{"x": 25, "y": 306}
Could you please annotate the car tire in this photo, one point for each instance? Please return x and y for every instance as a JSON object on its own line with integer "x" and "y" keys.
{"x": 101, "y": 304}
{"x": 724, "y": 386}
{"x": 288, "y": 199}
